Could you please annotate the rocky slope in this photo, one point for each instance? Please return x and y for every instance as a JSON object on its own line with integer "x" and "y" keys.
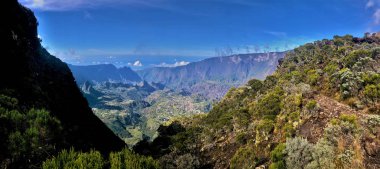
{"x": 320, "y": 109}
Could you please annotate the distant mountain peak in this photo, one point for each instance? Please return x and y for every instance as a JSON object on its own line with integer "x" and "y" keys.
{"x": 104, "y": 73}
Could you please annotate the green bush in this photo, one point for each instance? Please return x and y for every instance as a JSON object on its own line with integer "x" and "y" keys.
{"x": 265, "y": 126}
{"x": 289, "y": 130}
{"x": 350, "y": 118}
{"x": 244, "y": 158}
{"x": 28, "y": 137}
{"x": 354, "y": 56}
{"x": 372, "y": 121}
{"x": 73, "y": 159}
{"x": 270, "y": 105}
{"x": 255, "y": 85}
{"x": 278, "y": 153}
{"x": 299, "y": 153}
{"x": 331, "y": 68}
{"x": 372, "y": 92}
{"x": 126, "y": 159}
{"x": 278, "y": 165}
{"x": 294, "y": 116}
{"x": 312, "y": 77}
{"x": 323, "y": 156}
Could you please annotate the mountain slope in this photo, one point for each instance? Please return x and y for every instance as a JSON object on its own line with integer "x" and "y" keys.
{"x": 104, "y": 73}
{"x": 320, "y": 109}
{"x": 214, "y": 76}
{"x": 39, "y": 80}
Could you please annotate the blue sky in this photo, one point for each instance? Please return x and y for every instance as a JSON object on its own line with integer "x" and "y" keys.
{"x": 74, "y": 29}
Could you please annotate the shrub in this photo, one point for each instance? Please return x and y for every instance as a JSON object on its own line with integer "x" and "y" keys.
{"x": 278, "y": 165}
{"x": 349, "y": 83}
{"x": 299, "y": 153}
{"x": 296, "y": 76}
{"x": 278, "y": 157}
{"x": 129, "y": 160}
{"x": 311, "y": 107}
{"x": 269, "y": 106}
{"x": 28, "y": 137}
{"x": 312, "y": 104}
{"x": 244, "y": 158}
{"x": 346, "y": 125}
{"x": 372, "y": 92}
{"x": 255, "y": 85}
{"x": 187, "y": 161}
{"x": 323, "y": 156}
{"x": 312, "y": 77}
{"x": 354, "y": 56}
{"x": 294, "y": 116}
{"x": 289, "y": 130}
{"x": 265, "y": 126}
{"x": 372, "y": 121}
{"x": 371, "y": 78}
{"x": 350, "y": 118}
{"x": 73, "y": 159}
{"x": 331, "y": 68}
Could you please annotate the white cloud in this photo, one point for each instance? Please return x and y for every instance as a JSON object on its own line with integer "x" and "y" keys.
{"x": 374, "y": 6}
{"x": 137, "y": 63}
{"x": 376, "y": 17}
{"x": 65, "y": 5}
{"x": 176, "y": 64}
{"x": 370, "y": 4}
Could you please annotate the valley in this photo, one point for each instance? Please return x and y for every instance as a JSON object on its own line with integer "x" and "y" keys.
{"x": 134, "y": 105}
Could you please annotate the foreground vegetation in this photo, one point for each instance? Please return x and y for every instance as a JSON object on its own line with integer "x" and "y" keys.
{"x": 124, "y": 159}
{"x": 320, "y": 109}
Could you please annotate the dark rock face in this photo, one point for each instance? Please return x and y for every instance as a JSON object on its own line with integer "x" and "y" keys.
{"x": 37, "y": 79}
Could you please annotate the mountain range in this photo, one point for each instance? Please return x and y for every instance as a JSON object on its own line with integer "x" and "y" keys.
{"x": 104, "y": 72}
{"x": 134, "y": 104}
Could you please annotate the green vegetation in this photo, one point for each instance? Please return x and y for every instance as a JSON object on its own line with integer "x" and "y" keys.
{"x": 299, "y": 153}
{"x": 134, "y": 113}
{"x": 73, "y": 159}
{"x": 278, "y": 157}
{"x": 124, "y": 159}
{"x": 244, "y": 158}
{"x": 316, "y": 111}
{"x": 129, "y": 160}
{"x": 26, "y": 137}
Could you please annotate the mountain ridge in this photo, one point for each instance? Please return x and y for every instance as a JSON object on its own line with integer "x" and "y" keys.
{"x": 38, "y": 80}
{"x": 103, "y": 73}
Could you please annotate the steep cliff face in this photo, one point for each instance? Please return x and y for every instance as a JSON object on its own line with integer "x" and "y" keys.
{"x": 214, "y": 76}
{"x": 39, "y": 80}
{"x": 229, "y": 69}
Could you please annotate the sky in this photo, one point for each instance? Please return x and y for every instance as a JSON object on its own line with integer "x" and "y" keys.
{"x": 181, "y": 31}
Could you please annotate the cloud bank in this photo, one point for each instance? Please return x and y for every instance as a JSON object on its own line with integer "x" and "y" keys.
{"x": 176, "y": 64}
{"x": 66, "y": 5}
